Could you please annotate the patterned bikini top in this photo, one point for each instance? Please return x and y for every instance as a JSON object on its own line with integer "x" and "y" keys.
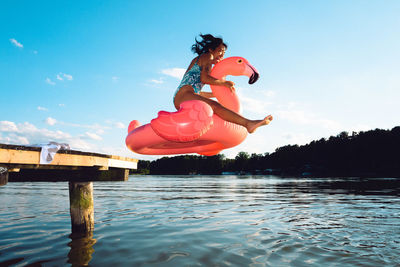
{"x": 192, "y": 78}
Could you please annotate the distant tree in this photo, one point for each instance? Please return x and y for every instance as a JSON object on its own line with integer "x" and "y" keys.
{"x": 229, "y": 165}
{"x": 212, "y": 164}
{"x": 255, "y": 162}
{"x": 374, "y": 152}
{"x": 241, "y": 161}
{"x": 143, "y": 167}
{"x": 343, "y": 135}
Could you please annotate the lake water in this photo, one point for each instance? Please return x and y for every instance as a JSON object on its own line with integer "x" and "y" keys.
{"x": 206, "y": 221}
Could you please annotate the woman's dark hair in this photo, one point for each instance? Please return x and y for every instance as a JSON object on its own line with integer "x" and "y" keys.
{"x": 208, "y": 42}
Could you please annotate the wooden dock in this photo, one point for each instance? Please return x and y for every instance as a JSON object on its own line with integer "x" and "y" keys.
{"x": 80, "y": 169}
{"x": 22, "y": 163}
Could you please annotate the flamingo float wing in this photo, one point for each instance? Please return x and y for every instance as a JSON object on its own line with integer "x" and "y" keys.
{"x": 192, "y": 120}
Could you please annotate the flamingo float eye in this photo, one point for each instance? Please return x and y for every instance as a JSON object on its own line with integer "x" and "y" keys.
{"x": 240, "y": 61}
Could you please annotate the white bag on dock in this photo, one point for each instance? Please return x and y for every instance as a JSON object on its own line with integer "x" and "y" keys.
{"x": 49, "y": 150}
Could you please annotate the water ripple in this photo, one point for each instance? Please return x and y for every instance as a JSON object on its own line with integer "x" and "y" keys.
{"x": 205, "y": 221}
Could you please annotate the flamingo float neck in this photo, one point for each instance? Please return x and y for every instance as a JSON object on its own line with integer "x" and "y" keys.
{"x": 236, "y": 66}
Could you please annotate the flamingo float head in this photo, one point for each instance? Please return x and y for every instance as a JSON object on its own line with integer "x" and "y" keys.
{"x": 236, "y": 66}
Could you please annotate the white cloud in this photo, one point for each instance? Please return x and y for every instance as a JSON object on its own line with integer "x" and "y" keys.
{"x": 22, "y": 140}
{"x": 50, "y": 121}
{"x": 93, "y": 136}
{"x": 16, "y": 43}
{"x": 42, "y": 108}
{"x": 308, "y": 118}
{"x": 67, "y": 76}
{"x": 28, "y": 134}
{"x": 255, "y": 105}
{"x": 8, "y": 126}
{"x": 174, "y": 72}
{"x": 113, "y": 124}
{"x": 96, "y": 127}
{"x": 49, "y": 81}
{"x": 61, "y": 76}
{"x": 78, "y": 143}
{"x": 26, "y": 127}
{"x": 290, "y": 111}
{"x": 15, "y": 140}
{"x": 160, "y": 81}
{"x": 268, "y": 93}
{"x": 61, "y": 105}
{"x": 100, "y": 131}
{"x": 260, "y": 104}
{"x": 119, "y": 125}
{"x": 296, "y": 138}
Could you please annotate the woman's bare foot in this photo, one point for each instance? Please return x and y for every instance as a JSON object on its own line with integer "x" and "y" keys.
{"x": 253, "y": 125}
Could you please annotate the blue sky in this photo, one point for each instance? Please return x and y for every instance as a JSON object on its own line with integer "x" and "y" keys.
{"x": 79, "y": 71}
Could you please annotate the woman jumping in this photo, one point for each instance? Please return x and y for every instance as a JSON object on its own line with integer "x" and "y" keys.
{"x": 210, "y": 51}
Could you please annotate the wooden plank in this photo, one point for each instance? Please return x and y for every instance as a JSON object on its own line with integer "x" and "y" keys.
{"x": 33, "y": 157}
{"x": 12, "y": 167}
{"x": 78, "y": 160}
{"x": 19, "y": 156}
{"x": 84, "y": 174}
{"x": 61, "y": 151}
{"x": 124, "y": 158}
{"x": 115, "y": 163}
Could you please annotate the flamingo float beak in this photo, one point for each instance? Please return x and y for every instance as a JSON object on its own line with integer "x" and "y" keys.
{"x": 254, "y": 77}
{"x": 252, "y": 73}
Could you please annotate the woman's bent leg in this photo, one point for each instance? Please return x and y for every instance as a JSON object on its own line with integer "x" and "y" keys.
{"x": 225, "y": 114}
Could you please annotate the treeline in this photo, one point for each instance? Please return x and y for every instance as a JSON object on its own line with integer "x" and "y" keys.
{"x": 370, "y": 153}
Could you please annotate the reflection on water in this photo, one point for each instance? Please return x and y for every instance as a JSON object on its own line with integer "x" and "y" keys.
{"x": 81, "y": 249}
{"x": 206, "y": 221}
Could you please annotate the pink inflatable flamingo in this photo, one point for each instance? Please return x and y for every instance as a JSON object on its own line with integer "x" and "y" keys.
{"x": 194, "y": 128}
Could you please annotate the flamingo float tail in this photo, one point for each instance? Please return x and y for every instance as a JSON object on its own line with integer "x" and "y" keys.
{"x": 133, "y": 125}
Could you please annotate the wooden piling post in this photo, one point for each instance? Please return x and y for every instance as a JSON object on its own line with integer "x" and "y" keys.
{"x": 3, "y": 176}
{"x": 81, "y": 207}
